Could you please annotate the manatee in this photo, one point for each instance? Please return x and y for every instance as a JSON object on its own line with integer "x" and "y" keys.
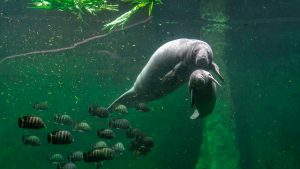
{"x": 202, "y": 87}
{"x": 168, "y": 68}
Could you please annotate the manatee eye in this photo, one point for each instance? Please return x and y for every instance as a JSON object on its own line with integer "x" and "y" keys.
{"x": 195, "y": 51}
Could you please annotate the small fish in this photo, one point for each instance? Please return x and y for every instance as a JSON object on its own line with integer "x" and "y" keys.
{"x": 31, "y": 122}
{"x": 60, "y": 137}
{"x": 75, "y": 156}
{"x": 106, "y": 133}
{"x": 68, "y": 165}
{"x": 63, "y": 119}
{"x": 98, "y": 111}
{"x": 56, "y": 158}
{"x": 141, "y": 145}
{"x": 133, "y": 132}
{"x": 99, "y": 145}
{"x": 121, "y": 109}
{"x": 119, "y": 148}
{"x": 142, "y": 107}
{"x": 31, "y": 140}
{"x": 147, "y": 141}
{"x": 119, "y": 123}
{"x": 142, "y": 150}
{"x": 82, "y": 127}
{"x": 138, "y": 149}
{"x": 99, "y": 155}
{"x": 40, "y": 106}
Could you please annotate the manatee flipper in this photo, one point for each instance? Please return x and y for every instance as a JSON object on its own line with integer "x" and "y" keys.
{"x": 195, "y": 115}
{"x": 215, "y": 68}
{"x": 192, "y": 97}
{"x": 128, "y": 99}
{"x": 170, "y": 77}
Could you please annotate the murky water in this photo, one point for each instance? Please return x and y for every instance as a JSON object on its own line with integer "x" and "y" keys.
{"x": 255, "y": 122}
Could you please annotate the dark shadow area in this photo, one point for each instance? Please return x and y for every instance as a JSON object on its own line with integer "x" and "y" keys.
{"x": 263, "y": 62}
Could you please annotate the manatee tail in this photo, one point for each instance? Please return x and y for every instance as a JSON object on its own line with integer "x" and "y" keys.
{"x": 129, "y": 99}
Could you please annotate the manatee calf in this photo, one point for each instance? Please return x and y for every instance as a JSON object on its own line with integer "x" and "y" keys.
{"x": 203, "y": 90}
{"x": 168, "y": 68}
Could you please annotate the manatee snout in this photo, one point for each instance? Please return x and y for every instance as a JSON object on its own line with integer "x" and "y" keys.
{"x": 202, "y": 62}
{"x": 203, "y": 59}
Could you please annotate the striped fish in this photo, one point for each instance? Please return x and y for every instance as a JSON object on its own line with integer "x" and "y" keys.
{"x": 75, "y": 156}
{"x": 99, "y": 155}
{"x": 142, "y": 107}
{"x": 119, "y": 148}
{"x": 121, "y": 109}
{"x": 31, "y": 122}
{"x": 56, "y": 158}
{"x": 119, "y": 123}
{"x": 98, "y": 111}
{"x": 106, "y": 133}
{"x": 141, "y": 145}
{"x": 82, "y": 127}
{"x": 60, "y": 137}
{"x": 99, "y": 145}
{"x": 40, "y": 106}
{"x": 68, "y": 165}
{"x": 63, "y": 119}
{"x": 31, "y": 140}
{"x": 133, "y": 132}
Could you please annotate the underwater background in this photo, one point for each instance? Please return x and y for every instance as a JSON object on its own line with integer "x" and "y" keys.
{"x": 255, "y": 124}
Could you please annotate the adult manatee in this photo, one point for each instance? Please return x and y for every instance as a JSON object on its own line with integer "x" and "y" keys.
{"x": 168, "y": 68}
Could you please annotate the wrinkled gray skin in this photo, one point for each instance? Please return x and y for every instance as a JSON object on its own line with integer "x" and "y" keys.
{"x": 202, "y": 87}
{"x": 168, "y": 68}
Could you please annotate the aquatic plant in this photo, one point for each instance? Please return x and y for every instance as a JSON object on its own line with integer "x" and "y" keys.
{"x": 80, "y": 7}
{"x": 77, "y": 7}
{"x": 121, "y": 20}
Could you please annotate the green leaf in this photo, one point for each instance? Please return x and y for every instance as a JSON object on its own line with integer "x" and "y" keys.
{"x": 81, "y": 7}
{"x": 150, "y": 8}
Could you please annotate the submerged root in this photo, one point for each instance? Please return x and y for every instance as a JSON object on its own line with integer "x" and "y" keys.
{"x": 75, "y": 44}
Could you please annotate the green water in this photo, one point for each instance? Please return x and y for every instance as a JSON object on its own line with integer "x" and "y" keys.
{"x": 255, "y": 124}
